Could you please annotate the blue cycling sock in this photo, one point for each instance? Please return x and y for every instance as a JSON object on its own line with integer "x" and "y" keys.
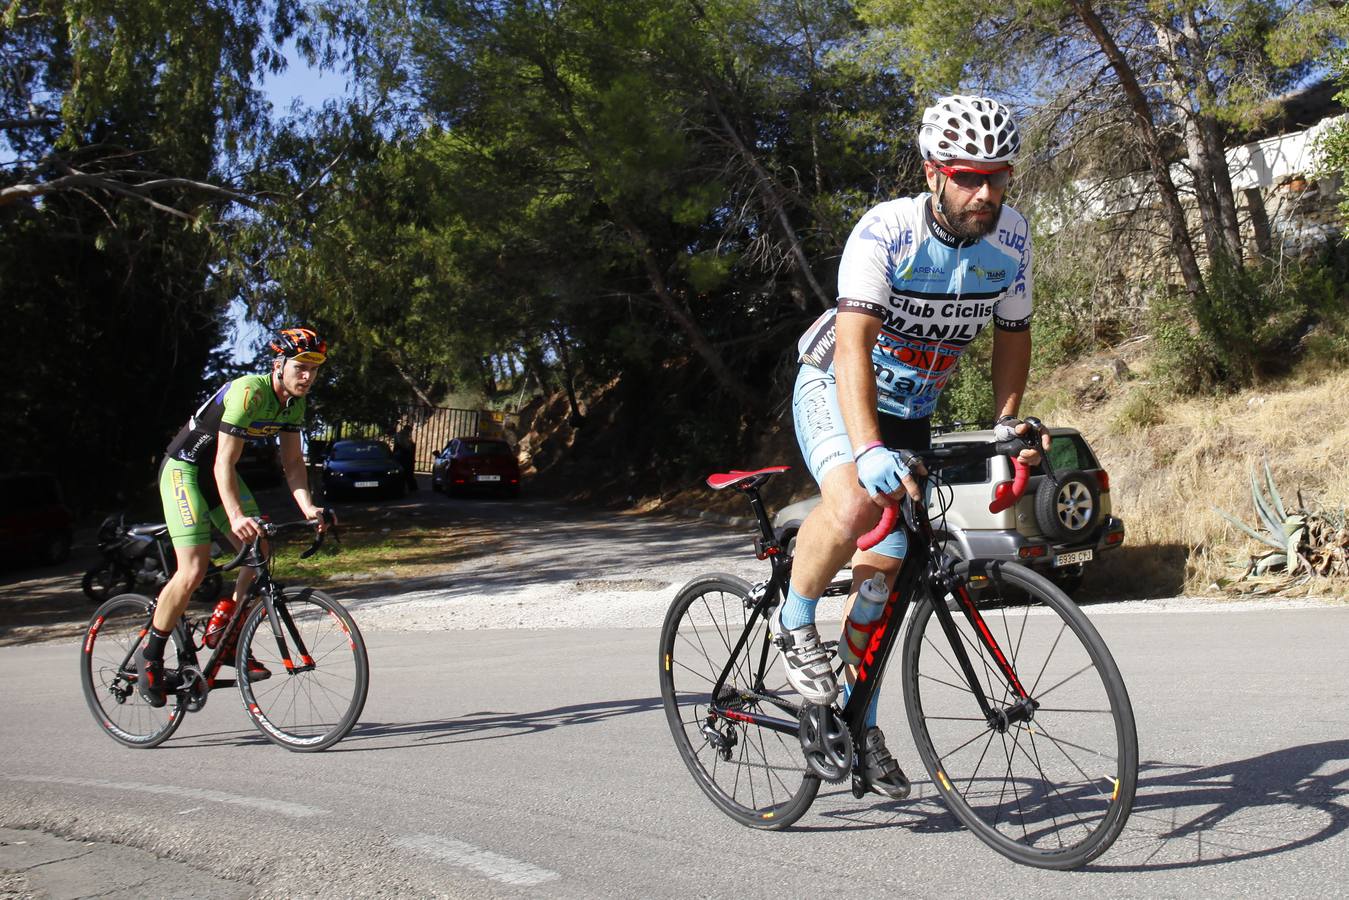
{"x": 797, "y": 610}
{"x": 871, "y": 710}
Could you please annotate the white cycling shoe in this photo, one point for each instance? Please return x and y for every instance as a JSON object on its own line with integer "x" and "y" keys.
{"x": 806, "y": 662}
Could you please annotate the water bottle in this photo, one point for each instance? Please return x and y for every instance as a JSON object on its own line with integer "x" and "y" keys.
{"x": 863, "y": 619}
{"x": 219, "y": 619}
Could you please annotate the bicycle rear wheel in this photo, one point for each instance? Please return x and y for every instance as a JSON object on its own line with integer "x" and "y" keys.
{"x": 755, "y": 775}
{"x": 108, "y": 674}
{"x": 311, "y": 703}
{"x": 1053, "y": 791}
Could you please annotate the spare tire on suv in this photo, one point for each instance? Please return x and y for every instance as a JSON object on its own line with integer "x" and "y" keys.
{"x": 1068, "y": 507}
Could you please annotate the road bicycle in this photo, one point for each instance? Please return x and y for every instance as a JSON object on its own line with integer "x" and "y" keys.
{"x": 300, "y": 661}
{"x": 1016, "y": 707}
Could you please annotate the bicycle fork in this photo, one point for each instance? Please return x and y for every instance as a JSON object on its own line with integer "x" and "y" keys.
{"x": 278, "y": 615}
{"x": 1000, "y": 720}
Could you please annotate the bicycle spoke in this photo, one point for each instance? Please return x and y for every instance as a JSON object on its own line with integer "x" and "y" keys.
{"x": 316, "y": 703}
{"x": 763, "y": 782}
{"x": 1024, "y": 786}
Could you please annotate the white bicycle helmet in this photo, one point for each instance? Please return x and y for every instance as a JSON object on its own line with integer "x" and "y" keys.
{"x": 975, "y": 128}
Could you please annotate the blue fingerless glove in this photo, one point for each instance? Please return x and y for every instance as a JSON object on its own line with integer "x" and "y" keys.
{"x": 880, "y": 470}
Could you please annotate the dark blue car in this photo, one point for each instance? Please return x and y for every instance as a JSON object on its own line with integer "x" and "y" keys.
{"x": 361, "y": 467}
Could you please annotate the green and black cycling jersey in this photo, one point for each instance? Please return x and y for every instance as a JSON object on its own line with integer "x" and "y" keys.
{"x": 246, "y": 407}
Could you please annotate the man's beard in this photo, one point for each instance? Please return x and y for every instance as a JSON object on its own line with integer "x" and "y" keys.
{"x": 966, "y": 226}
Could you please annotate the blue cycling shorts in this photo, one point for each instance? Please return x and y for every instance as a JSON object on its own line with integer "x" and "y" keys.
{"x": 824, "y": 440}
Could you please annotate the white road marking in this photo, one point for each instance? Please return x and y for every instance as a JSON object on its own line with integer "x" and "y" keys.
{"x": 294, "y": 810}
{"x": 475, "y": 859}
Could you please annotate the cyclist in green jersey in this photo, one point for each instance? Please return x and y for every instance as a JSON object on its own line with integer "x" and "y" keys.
{"x": 199, "y": 485}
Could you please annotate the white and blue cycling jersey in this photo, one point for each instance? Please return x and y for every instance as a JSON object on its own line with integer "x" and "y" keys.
{"x": 932, "y": 292}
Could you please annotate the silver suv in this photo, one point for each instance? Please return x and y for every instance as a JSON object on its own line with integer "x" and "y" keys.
{"x": 1058, "y": 526}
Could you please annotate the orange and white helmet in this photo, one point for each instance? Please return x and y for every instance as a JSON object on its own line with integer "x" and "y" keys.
{"x": 973, "y": 128}
{"x": 300, "y": 343}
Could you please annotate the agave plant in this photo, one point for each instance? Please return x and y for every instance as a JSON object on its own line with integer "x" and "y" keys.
{"x": 1316, "y": 543}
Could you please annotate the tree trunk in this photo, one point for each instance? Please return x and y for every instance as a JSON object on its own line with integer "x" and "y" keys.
{"x": 680, "y": 314}
{"x": 768, "y": 189}
{"x": 535, "y": 365}
{"x": 489, "y": 384}
{"x": 1192, "y": 93}
{"x": 569, "y": 375}
{"x": 403, "y": 374}
{"x": 1147, "y": 133}
{"x": 1264, "y": 243}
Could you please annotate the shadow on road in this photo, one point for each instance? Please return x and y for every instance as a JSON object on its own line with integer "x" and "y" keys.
{"x": 480, "y": 726}
{"x": 485, "y": 726}
{"x": 1184, "y": 815}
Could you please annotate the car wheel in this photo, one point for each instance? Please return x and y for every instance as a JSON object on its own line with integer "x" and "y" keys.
{"x": 1067, "y": 510}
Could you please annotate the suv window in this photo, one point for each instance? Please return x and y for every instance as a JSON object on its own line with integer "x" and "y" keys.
{"x": 974, "y": 472}
{"x": 1068, "y": 452}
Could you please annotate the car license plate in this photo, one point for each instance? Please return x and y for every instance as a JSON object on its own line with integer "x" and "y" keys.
{"x": 366, "y": 484}
{"x": 1068, "y": 559}
{"x": 489, "y": 477}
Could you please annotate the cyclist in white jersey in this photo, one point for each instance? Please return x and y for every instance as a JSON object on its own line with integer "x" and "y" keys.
{"x": 919, "y": 279}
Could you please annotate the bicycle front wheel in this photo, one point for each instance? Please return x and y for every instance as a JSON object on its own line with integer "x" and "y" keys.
{"x": 305, "y": 685}
{"x": 1047, "y": 783}
{"x": 108, "y": 674}
{"x": 754, "y": 774}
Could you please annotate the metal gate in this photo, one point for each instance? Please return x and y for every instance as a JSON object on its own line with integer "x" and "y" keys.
{"x": 432, "y": 428}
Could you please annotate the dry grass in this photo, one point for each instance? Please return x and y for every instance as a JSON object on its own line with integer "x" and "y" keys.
{"x": 1185, "y": 457}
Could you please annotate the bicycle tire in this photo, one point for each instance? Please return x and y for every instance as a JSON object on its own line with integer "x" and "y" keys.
{"x": 114, "y": 634}
{"x": 1053, "y": 792}
{"x": 304, "y": 711}
{"x": 764, "y": 783}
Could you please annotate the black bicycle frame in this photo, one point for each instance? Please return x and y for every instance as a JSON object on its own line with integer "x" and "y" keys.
{"x": 925, "y": 566}
{"x": 264, "y": 590}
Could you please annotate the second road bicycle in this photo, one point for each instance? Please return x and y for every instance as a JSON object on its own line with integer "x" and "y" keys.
{"x": 300, "y": 661}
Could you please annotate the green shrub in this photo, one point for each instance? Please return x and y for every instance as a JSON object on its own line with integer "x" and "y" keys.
{"x": 1253, "y": 323}
{"x": 969, "y": 395}
{"x": 1143, "y": 409}
{"x": 1184, "y": 362}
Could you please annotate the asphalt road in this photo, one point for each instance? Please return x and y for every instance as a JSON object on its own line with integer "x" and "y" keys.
{"x": 511, "y": 762}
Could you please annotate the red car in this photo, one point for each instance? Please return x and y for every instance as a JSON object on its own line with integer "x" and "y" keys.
{"x": 476, "y": 464}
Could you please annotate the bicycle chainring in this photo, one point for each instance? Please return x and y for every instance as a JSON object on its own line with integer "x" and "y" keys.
{"x": 193, "y": 688}
{"x": 826, "y": 741}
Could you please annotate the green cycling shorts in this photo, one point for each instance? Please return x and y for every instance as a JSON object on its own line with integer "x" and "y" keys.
{"x": 192, "y": 503}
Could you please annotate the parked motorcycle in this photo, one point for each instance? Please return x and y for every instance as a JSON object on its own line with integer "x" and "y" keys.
{"x": 139, "y": 556}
